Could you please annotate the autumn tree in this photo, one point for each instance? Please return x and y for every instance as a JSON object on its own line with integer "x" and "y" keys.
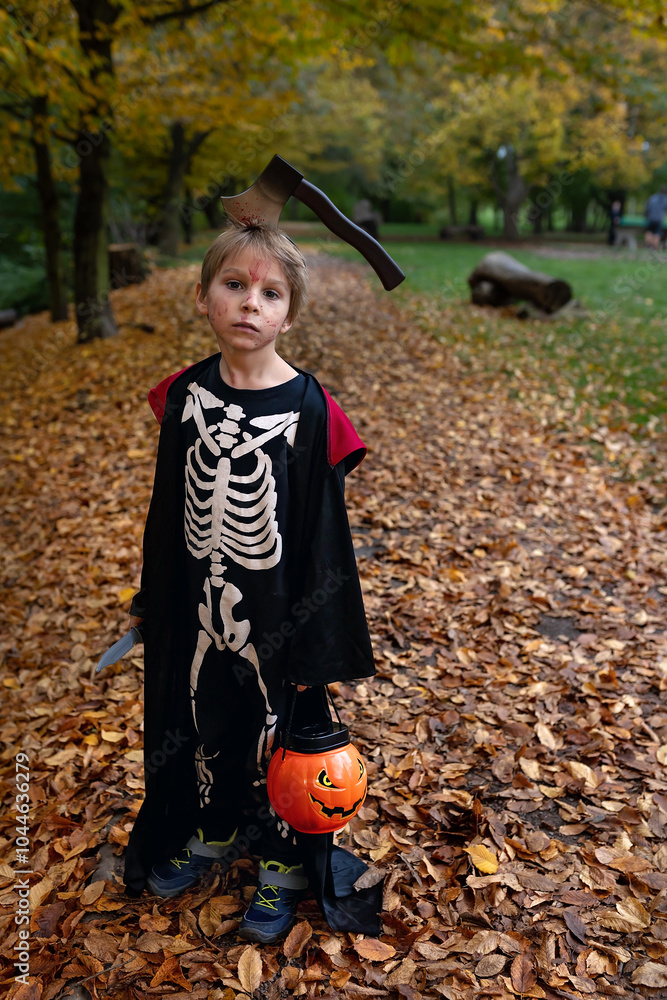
{"x": 36, "y": 88}
{"x": 220, "y": 108}
{"x": 224, "y": 75}
{"x": 74, "y": 42}
{"x": 520, "y": 107}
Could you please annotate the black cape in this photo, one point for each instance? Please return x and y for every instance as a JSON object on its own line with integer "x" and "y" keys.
{"x": 330, "y": 645}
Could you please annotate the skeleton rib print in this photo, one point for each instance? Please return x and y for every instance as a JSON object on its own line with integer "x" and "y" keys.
{"x": 230, "y": 516}
{"x": 224, "y": 512}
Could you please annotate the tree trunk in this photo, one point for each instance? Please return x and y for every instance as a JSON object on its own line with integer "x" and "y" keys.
{"x": 579, "y": 216}
{"x": 48, "y": 196}
{"x": 451, "y": 194}
{"x": 170, "y": 222}
{"x": 91, "y": 256}
{"x": 511, "y": 190}
{"x": 173, "y": 216}
{"x": 91, "y": 259}
{"x": 499, "y": 279}
{"x": 515, "y": 194}
{"x": 186, "y": 217}
{"x": 472, "y": 215}
{"x": 213, "y": 212}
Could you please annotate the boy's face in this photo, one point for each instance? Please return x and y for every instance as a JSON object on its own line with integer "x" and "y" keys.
{"x": 247, "y": 303}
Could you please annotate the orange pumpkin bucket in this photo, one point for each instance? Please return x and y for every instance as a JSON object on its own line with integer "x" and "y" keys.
{"x": 317, "y": 780}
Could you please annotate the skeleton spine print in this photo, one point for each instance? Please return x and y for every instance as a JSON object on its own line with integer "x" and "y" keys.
{"x": 230, "y": 519}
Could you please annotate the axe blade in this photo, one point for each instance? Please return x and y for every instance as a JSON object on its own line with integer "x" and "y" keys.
{"x": 264, "y": 200}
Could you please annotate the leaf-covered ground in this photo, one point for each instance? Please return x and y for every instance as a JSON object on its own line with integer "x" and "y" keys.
{"x": 513, "y": 565}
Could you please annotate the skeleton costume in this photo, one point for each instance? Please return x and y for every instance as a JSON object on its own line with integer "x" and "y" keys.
{"x": 249, "y": 586}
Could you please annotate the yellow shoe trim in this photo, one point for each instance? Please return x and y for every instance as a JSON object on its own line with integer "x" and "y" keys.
{"x": 216, "y": 843}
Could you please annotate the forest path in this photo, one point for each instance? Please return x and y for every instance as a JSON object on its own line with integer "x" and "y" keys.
{"x": 516, "y": 734}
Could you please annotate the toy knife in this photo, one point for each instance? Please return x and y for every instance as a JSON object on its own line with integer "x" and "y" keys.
{"x": 263, "y": 202}
{"x": 120, "y": 648}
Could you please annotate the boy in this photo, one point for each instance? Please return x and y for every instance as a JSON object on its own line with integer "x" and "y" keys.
{"x": 249, "y": 594}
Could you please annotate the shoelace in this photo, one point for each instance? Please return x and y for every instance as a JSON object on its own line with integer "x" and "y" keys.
{"x": 178, "y": 861}
{"x": 270, "y": 904}
{"x": 182, "y": 861}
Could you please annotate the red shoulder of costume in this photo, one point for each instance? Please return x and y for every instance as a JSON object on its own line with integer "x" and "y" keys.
{"x": 343, "y": 442}
{"x": 157, "y": 397}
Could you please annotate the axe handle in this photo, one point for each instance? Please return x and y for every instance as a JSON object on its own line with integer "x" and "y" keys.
{"x": 384, "y": 266}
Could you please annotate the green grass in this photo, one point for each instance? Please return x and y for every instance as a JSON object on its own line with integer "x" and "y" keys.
{"x": 614, "y": 360}
{"x": 422, "y": 230}
{"x": 616, "y": 285}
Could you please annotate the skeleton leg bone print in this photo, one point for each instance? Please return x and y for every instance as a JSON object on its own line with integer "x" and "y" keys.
{"x": 230, "y": 517}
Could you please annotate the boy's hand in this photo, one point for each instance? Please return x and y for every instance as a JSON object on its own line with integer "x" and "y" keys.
{"x": 135, "y": 622}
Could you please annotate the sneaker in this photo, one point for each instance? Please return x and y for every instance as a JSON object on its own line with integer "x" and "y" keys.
{"x": 197, "y": 857}
{"x": 273, "y": 908}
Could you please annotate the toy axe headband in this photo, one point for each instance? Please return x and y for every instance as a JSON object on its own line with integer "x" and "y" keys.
{"x": 262, "y": 204}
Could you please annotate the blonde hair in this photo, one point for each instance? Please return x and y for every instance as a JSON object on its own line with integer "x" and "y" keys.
{"x": 267, "y": 243}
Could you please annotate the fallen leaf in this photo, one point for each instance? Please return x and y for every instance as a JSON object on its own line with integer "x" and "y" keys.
{"x": 374, "y": 950}
{"x": 111, "y": 736}
{"x": 249, "y": 969}
{"x": 154, "y": 922}
{"x": 92, "y": 892}
{"x": 152, "y": 942}
{"x": 40, "y": 891}
{"x": 403, "y": 973}
{"x": 651, "y": 974}
{"x": 297, "y": 939}
{"x": 490, "y": 965}
{"x": 575, "y": 924}
{"x": 634, "y": 912}
{"x": 370, "y": 877}
{"x": 483, "y": 859}
{"x": 170, "y": 972}
{"x": 522, "y": 973}
{"x": 102, "y": 945}
{"x": 546, "y": 736}
{"x": 584, "y": 773}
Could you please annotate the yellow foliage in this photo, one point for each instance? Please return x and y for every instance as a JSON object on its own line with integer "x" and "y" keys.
{"x": 483, "y": 859}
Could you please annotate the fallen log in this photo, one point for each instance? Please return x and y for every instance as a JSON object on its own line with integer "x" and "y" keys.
{"x": 499, "y": 279}
{"x": 472, "y": 232}
{"x": 8, "y": 317}
{"x": 126, "y": 265}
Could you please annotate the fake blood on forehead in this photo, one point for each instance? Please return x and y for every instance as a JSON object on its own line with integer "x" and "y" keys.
{"x": 259, "y": 269}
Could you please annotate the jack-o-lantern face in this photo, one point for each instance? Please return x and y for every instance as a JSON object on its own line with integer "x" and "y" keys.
{"x": 317, "y": 792}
